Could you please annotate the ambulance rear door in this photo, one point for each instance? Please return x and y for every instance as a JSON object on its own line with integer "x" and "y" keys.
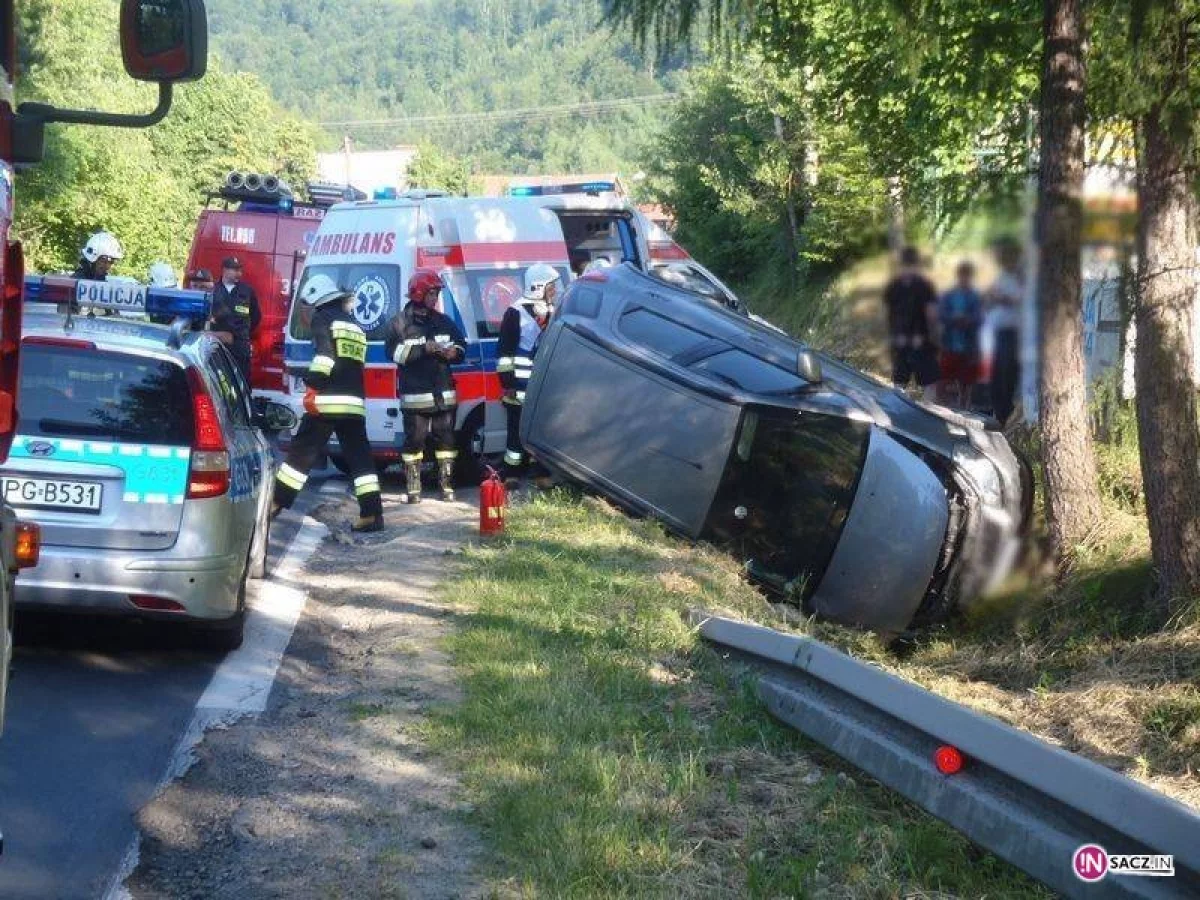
{"x": 482, "y": 247}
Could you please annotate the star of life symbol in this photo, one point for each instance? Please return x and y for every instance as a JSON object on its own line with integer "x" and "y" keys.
{"x": 371, "y": 298}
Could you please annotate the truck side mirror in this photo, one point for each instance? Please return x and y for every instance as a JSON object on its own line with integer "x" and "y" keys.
{"x": 164, "y": 40}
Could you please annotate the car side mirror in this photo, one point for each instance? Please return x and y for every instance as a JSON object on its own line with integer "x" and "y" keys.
{"x": 272, "y": 416}
{"x": 164, "y": 40}
{"x": 808, "y": 366}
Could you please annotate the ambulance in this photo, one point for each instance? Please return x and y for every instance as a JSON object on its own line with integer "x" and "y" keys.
{"x": 481, "y": 247}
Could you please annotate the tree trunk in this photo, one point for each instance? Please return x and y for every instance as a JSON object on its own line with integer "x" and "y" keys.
{"x": 1164, "y": 358}
{"x": 1072, "y": 494}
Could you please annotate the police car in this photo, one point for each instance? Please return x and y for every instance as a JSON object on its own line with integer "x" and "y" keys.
{"x": 142, "y": 458}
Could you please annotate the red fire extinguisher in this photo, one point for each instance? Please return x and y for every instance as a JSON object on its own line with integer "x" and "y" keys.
{"x": 492, "y": 499}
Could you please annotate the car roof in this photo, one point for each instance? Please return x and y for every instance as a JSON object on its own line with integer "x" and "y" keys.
{"x": 114, "y": 333}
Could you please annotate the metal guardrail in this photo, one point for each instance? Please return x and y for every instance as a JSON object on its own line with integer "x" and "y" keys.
{"x": 1027, "y": 801}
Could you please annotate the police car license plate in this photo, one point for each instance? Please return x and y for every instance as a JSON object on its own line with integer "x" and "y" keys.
{"x": 43, "y": 493}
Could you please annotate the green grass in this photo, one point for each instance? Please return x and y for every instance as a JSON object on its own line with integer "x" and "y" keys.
{"x": 609, "y": 754}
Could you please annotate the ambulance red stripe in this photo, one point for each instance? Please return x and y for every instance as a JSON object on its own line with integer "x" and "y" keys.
{"x": 380, "y": 384}
{"x": 491, "y": 254}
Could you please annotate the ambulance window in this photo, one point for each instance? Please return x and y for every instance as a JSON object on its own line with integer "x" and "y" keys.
{"x": 378, "y": 295}
{"x": 493, "y": 291}
{"x": 663, "y": 336}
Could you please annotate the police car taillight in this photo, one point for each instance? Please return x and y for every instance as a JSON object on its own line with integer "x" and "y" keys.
{"x": 209, "y": 472}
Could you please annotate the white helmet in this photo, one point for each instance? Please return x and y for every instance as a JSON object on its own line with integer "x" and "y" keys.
{"x": 321, "y": 289}
{"x": 537, "y": 278}
{"x": 163, "y": 276}
{"x": 102, "y": 243}
{"x": 597, "y": 264}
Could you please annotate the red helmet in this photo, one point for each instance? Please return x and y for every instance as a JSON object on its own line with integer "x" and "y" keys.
{"x": 422, "y": 282}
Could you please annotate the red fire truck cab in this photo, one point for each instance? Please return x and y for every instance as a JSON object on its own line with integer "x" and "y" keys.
{"x": 257, "y": 219}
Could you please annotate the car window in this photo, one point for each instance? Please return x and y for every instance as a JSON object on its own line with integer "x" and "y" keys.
{"x": 787, "y": 490}
{"x": 78, "y": 392}
{"x": 658, "y": 333}
{"x": 378, "y": 297}
{"x": 232, "y": 387}
{"x": 749, "y": 372}
{"x": 493, "y": 291}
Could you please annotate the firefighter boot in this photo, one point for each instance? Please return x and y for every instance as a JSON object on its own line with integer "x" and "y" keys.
{"x": 368, "y": 523}
{"x": 412, "y": 473}
{"x": 446, "y": 479}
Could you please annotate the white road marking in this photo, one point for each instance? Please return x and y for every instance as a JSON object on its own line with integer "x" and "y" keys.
{"x": 242, "y": 683}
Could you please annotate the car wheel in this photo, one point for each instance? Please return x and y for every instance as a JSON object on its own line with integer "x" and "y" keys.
{"x": 469, "y": 467}
{"x": 228, "y": 635}
{"x": 258, "y": 548}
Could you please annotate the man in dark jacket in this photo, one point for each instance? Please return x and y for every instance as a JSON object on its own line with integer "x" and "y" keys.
{"x": 912, "y": 307}
{"x": 424, "y": 343}
{"x": 235, "y": 314}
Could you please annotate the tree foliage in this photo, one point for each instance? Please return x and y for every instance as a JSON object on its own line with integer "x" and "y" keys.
{"x": 380, "y": 59}
{"x": 146, "y": 186}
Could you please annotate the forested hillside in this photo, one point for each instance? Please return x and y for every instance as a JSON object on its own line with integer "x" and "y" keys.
{"x": 334, "y": 60}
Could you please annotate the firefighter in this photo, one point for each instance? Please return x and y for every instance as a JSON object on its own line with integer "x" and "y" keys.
{"x": 424, "y": 343}
{"x": 333, "y": 404}
{"x": 235, "y": 313}
{"x": 520, "y": 330}
{"x": 162, "y": 275}
{"x": 101, "y": 252}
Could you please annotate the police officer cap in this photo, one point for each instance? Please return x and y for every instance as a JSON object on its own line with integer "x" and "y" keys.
{"x": 232, "y": 262}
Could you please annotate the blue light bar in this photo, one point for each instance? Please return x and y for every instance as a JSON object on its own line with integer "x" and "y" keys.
{"x": 387, "y": 193}
{"x": 546, "y": 190}
{"x": 171, "y": 303}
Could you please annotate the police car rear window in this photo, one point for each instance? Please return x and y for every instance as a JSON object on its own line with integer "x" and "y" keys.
{"x": 70, "y": 392}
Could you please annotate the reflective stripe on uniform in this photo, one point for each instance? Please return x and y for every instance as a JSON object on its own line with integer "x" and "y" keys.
{"x": 505, "y": 364}
{"x": 449, "y": 398}
{"x": 403, "y": 350}
{"x": 523, "y": 374}
{"x": 321, "y": 365}
{"x": 417, "y": 401}
{"x": 337, "y": 405}
{"x": 446, "y": 454}
{"x": 366, "y": 484}
{"x": 513, "y": 458}
{"x": 290, "y": 477}
{"x": 408, "y": 458}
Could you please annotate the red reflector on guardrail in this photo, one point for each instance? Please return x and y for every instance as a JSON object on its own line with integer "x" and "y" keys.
{"x": 949, "y": 760}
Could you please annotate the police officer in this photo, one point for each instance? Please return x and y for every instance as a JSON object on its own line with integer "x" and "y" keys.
{"x": 333, "y": 404}
{"x": 424, "y": 343}
{"x": 520, "y": 330}
{"x": 235, "y": 314}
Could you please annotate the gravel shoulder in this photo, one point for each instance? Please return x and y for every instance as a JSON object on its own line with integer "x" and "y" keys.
{"x": 332, "y": 792}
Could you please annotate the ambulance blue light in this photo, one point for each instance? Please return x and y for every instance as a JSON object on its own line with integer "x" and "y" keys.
{"x": 170, "y": 303}
{"x": 387, "y": 193}
{"x": 523, "y": 192}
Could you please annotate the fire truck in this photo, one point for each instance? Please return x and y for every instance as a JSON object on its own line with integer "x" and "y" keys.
{"x": 162, "y": 41}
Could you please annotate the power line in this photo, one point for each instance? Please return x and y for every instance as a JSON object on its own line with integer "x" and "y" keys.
{"x": 531, "y": 113}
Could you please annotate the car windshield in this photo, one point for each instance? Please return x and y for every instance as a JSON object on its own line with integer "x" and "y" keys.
{"x": 80, "y": 392}
{"x": 786, "y": 492}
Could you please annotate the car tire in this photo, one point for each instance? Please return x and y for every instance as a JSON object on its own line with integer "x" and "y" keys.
{"x": 259, "y": 545}
{"x": 469, "y": 468}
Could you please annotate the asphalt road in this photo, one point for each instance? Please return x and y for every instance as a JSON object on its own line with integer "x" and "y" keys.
{"x": 96, "y": 710}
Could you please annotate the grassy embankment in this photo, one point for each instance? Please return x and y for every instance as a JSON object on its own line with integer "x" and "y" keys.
{"x": 610, "y": 754}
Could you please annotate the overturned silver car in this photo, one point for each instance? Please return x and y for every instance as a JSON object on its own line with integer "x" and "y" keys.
{"x": 841, "y": 493}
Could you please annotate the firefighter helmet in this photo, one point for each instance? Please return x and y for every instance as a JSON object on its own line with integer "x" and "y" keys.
{"x": 599, "y": 264}
{"x": 163, "y": 276}
{"x": 321, "y": 289}
{"x": 422, "y": 282}
{"x": 102, "y": 243}
{"x": 537, "y": 278}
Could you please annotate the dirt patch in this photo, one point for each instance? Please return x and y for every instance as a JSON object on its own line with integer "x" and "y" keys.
{"x": 332, "y": 792}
